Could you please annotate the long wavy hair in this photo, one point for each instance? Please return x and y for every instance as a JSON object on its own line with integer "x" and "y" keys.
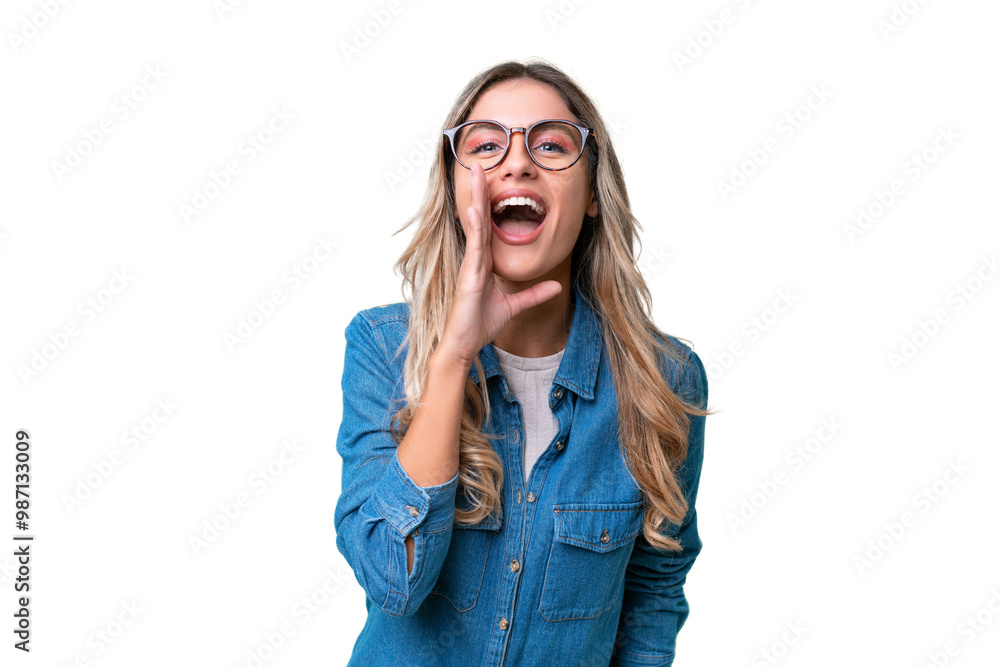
{"x": 653, "y": 421}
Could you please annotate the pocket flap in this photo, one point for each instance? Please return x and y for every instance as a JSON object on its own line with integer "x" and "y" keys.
{"x": 598, "y": 526}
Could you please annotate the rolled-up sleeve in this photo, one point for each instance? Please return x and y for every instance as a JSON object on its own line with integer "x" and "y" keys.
{"x": 654, "y": 607}
{"x": 379, "y": 504}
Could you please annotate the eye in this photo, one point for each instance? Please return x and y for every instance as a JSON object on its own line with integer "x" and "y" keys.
{"x": 555, "y": 140}
{"x": 482, "y": 139}
{"x": 485, "y": 146}
{"x": 549, "y": 146}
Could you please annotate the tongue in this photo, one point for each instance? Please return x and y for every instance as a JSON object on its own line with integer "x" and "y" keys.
{"x": 518, "y": 227}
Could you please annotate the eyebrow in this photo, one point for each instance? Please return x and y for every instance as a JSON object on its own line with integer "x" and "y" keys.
{"x": 477, "y": 123}
{"x": 482, "y": 121}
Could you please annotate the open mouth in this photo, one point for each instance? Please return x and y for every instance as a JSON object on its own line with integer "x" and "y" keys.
{"x": 518, "y": 216}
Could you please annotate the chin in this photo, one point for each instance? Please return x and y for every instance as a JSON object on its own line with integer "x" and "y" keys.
{"x": 518, "y": 276}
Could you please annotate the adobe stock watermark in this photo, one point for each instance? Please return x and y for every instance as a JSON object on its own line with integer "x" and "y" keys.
{"x": 777, "y": 650}
{"x": 87, "y": 310}
{"x": 923, "y": 501}
{"x": 300, "y": 613}
{"x": 122, "y": 106}
{"x": 561, "y": 12}
{"x": 371, "y": 29}
{"x": 223, "y": 8}
{"x": 795, "y": 460}
{"x": 264, "y": 308}
{"x": 616, "y": 127}
{"x": 219, "y": 179}
{"x": 913, "y": 168}
{"x": 32, "y": 24}
{"x": 131, "y": 440}
{"x": 231, "y": 510}
{"x": 107, "y": 635}
{"x": 899, "y": 15}
{"x": 751, "y": 332}
{"x": 786, "y": 126}
{"x": 927, "y": 329}
{"x": 711, "y": 30}
{"x": 968, "y": 629}
{"x": 423, "y": 151}
{"x": 654, "y": 261}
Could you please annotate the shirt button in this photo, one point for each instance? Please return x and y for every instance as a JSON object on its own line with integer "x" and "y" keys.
{"x": 503, "y": 624}
{"x": 517, "y": 437}
{"x": 531, "y": 497}
{"x": 559, "y": 445}
{"x": 605, "y": 537}
{"x": 514, "y": 565}
{"x": 413, "y": 510}
{"x": 558, "y": 394}
{"x": 519, "y": 496}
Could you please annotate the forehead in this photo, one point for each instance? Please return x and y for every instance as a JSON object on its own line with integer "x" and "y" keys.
{"x": 519, "y": 103}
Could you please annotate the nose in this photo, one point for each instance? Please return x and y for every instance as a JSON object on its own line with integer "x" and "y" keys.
{"x": 517, "y": 161}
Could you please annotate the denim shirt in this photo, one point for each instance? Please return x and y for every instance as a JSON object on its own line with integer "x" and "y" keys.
{"x": 561, "y": 576}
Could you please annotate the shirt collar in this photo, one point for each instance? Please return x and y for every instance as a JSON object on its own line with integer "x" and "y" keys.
{"x": 578, "y": 369}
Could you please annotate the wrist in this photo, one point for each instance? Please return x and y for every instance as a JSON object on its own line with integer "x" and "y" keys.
{"x": 444, "y": 358}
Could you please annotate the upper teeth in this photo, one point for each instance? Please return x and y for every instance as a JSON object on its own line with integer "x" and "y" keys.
{"x": 519, "y": 201}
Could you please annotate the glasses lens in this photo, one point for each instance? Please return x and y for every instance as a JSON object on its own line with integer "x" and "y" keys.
{"x": 483, "y": 142}
{"x": 555, "y": 144}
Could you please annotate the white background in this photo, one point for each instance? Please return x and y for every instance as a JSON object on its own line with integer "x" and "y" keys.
{"x": 681, "y": 129}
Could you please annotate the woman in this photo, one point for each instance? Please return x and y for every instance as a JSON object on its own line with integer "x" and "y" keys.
{"x": 546, "y": 512}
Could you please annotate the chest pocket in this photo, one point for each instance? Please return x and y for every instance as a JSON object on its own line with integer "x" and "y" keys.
{"x": 464, "y": 566}
{"x": 591, "y": 546}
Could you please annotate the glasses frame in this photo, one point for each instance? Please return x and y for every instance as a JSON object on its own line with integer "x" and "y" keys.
{"x": 586, "y": 132}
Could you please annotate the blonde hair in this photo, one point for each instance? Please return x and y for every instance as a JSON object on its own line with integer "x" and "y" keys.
{"x": 653, "y": 421}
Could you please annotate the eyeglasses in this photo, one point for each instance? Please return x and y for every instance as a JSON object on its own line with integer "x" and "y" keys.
{"x": 552, "y": 144}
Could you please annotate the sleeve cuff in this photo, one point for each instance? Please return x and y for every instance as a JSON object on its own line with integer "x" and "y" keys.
{"x": 408, "y": 506}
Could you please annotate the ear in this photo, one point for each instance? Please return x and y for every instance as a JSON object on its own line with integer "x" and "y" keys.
{"x": 593, "y": 209}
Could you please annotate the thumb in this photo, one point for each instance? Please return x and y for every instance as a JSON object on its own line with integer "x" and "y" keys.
{"x": 534, "y": 295}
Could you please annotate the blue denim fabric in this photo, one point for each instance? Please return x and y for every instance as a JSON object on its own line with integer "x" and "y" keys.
{"x": 560, "y": 577}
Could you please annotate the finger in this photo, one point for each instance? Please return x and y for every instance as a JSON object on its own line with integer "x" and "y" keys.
{"x": 473, "y": 245}
{"x": 534, "y": 295}
{"x": 472, "y": 242}
{"x": 487, "y": 215}
{"x": 482, "y": 202}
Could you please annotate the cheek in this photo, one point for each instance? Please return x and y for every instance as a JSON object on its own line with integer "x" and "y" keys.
{"x": 573, "y": 201}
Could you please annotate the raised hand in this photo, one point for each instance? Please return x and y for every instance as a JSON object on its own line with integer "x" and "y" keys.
{"x": 481, "y": 309}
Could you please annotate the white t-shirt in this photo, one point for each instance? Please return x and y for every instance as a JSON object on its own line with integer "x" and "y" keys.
{"x": 530, "y": 380}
